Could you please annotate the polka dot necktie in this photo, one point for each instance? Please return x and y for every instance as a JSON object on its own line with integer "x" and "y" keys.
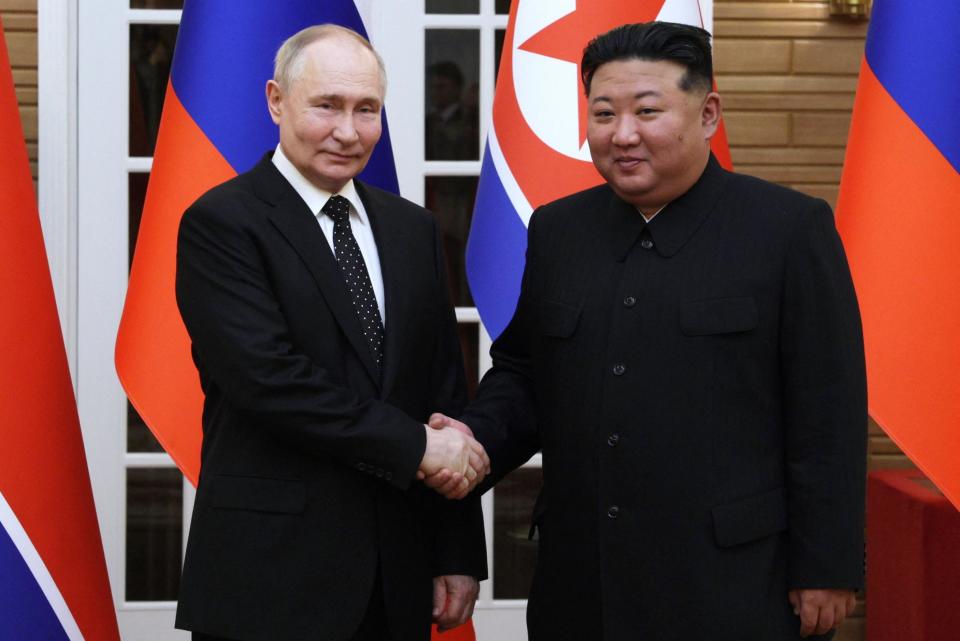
{"x": 354, "y": 270}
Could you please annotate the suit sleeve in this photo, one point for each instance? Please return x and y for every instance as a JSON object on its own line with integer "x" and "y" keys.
{"x": 503, "y": 415}
{"x": 459, "y": 541}
{"x": 824, "y": 406}
{"x": 242, "y": 342}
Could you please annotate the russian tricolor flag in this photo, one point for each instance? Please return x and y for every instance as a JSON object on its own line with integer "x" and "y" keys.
{"x": 536, "y": 149}
{"x": 215, "y": 124}
{"x": 53, "y": 579}
{"x": 898, "y": 216}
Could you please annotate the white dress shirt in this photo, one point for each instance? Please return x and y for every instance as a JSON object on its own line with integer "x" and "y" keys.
{"x": 359, "y": 221}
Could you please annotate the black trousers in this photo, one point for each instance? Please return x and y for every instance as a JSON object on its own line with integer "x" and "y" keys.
{"x": 372, "y": 628}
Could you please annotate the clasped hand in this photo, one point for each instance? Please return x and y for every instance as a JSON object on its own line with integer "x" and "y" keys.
{"x": 454, "y": 462}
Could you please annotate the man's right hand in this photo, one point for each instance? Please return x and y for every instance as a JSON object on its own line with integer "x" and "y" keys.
{"x": 457, "y": 457}
{"x": 446, "y": 481}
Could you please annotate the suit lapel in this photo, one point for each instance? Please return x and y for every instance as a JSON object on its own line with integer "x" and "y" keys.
{"x": 390, "y": 237}
{"x": 291, "y": 216}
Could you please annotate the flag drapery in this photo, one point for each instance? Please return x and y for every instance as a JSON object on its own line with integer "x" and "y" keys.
{"x": 53, "y": 578}
{"x": 897, "y": 215}
{"x": 215, "y": 124}
{"x": 536, "y": 149}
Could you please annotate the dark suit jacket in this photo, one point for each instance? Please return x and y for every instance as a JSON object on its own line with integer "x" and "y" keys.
{"x": 309, "y": 452}
{"x": 697, "y": 388}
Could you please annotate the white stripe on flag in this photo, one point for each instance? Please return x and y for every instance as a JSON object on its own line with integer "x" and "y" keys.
{"x": 519, "y": 201}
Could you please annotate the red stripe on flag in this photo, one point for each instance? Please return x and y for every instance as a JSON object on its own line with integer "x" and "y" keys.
{"x": 43, "y": 470}
{"x": 897, "y": 216}
{"x": 464, "y": 632}
{"x": 153, "y": 349}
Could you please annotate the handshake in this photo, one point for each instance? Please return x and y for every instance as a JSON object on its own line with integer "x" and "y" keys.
{"x": 454, "y": 462}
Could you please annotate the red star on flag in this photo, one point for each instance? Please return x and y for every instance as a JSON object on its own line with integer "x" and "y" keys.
{"x": 566, "y": 38}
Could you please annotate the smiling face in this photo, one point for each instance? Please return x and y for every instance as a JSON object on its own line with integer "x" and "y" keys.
{"x": 650, "y": 139}
{"x": 329, "y": 115}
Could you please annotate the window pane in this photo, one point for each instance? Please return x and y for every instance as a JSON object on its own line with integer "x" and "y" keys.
{"x": 157, "y": 4}
{"x": 136, "y": 195}
{"x": 498, "y": 37}
{"x": 154, "y": 533}
{"x": 451, "y": 198}
{"x": 151, "y": 52}
{"x": 452, "y": 93}
{"x": 139, "y": 436}
{"x": 514, "y": 555}
{"x": 470, "y": 346}
{"x": 453, "y": 6}
{"x": 503, "y": 6}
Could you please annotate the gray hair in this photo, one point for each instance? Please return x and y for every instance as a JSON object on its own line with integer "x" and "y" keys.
{"x": 286, "y": 65}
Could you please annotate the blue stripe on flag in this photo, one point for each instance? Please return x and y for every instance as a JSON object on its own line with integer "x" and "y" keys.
{"x": 25, "y": 612}
{"x": 223, "y": 59}
{"x": 913, "y": 49}
{"x": 495, "y": 251}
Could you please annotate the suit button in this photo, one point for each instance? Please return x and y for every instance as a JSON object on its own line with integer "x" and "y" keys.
{"x": 362, "y": 467}
{"x": 613, "y": 439}
{"x": 646, "y": 243}
{"x": 613, "y": 512}
{"x": 619, "y": 369}
{"x": 388, "y": 475}
{"x": 629, "y": 301}
{"x": 380, "y": 474}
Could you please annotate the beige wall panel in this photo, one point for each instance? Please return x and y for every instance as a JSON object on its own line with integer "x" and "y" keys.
{"x": 785, "y": 101}
{"x": 750, "y": 128}
{"x": 836, "y": 56}
{"x": 785, "y": 174}
{"x": 25, "y": 76}
{"x": 787, "y": 84}
{"x": 821, "y": 129}
{"x": 788, "y": 29}
{"x": 28, "y": 117}
{"x": 738, "y": 56}
{"x": 786, "y": 156}
{"x": 22, "y": 46}
{"x": 19, "y": 21}
{"x": 770, "y": 11}
{"x": 27, "y": 95}
{"x": 18, "y": 5}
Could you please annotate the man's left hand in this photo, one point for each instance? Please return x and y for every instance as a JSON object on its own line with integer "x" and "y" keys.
{"x": 453, "y": 599}
{"x": 821, "y": 610}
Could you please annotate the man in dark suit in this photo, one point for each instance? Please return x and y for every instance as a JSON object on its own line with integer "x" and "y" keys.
{"x": 321, "y": 328}
{"x": 687, "y": 354}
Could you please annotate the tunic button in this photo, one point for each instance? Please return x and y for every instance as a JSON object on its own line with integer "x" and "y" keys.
{"x": 613, "y": 439}
{"x": 613, "y": 512}
{"x": 619, "y": 369}
{"x": 362, "y": 467}
{"x": 646, "y": 243}
{"x": 629, "y": 301}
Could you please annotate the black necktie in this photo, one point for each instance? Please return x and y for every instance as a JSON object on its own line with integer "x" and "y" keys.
{"x": 354, "y": 270}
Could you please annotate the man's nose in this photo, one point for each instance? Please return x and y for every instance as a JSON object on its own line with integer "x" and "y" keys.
{"x": 345, "y": 131}
{"x": 626, "y": 133}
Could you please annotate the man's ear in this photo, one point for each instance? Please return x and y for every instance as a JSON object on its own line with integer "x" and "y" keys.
{"x": 274, "y": 100}
{"x": 710, "y": 114}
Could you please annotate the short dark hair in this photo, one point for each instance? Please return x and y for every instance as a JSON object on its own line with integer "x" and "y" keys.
{"x": 684, "y": 44}
{"x": 449, "y": 70}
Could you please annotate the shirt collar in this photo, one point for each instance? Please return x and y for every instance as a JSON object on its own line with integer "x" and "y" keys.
{"x": 315, "y": 197}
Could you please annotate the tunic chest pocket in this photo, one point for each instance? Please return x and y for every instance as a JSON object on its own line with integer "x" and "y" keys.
{"x": 719, "y": 316}
{"x": 558, "y": 320}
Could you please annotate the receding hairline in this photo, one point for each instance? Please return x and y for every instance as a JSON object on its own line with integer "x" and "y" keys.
{"x": 286, "y": 65}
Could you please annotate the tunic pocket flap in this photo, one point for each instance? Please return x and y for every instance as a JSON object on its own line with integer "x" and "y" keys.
{"x": 750, "y": 519}
{"x": 259, "y": 494}
{"x": 719, "y": 316}
{"x": 558, "y": 319}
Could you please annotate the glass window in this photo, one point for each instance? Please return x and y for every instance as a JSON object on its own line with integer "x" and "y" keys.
{"x": 451, "y": 198}
{"x": 503, "y": 6}
{"x": 498, "y": 37}
{"x": 514, "y": 552}
{"x": 470, "y": 346}
{"x": 452, "y": 121}
{"x": 154, "y": 533}
{"x": 453, "y": 6}
{"x": 151, "y": 54}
